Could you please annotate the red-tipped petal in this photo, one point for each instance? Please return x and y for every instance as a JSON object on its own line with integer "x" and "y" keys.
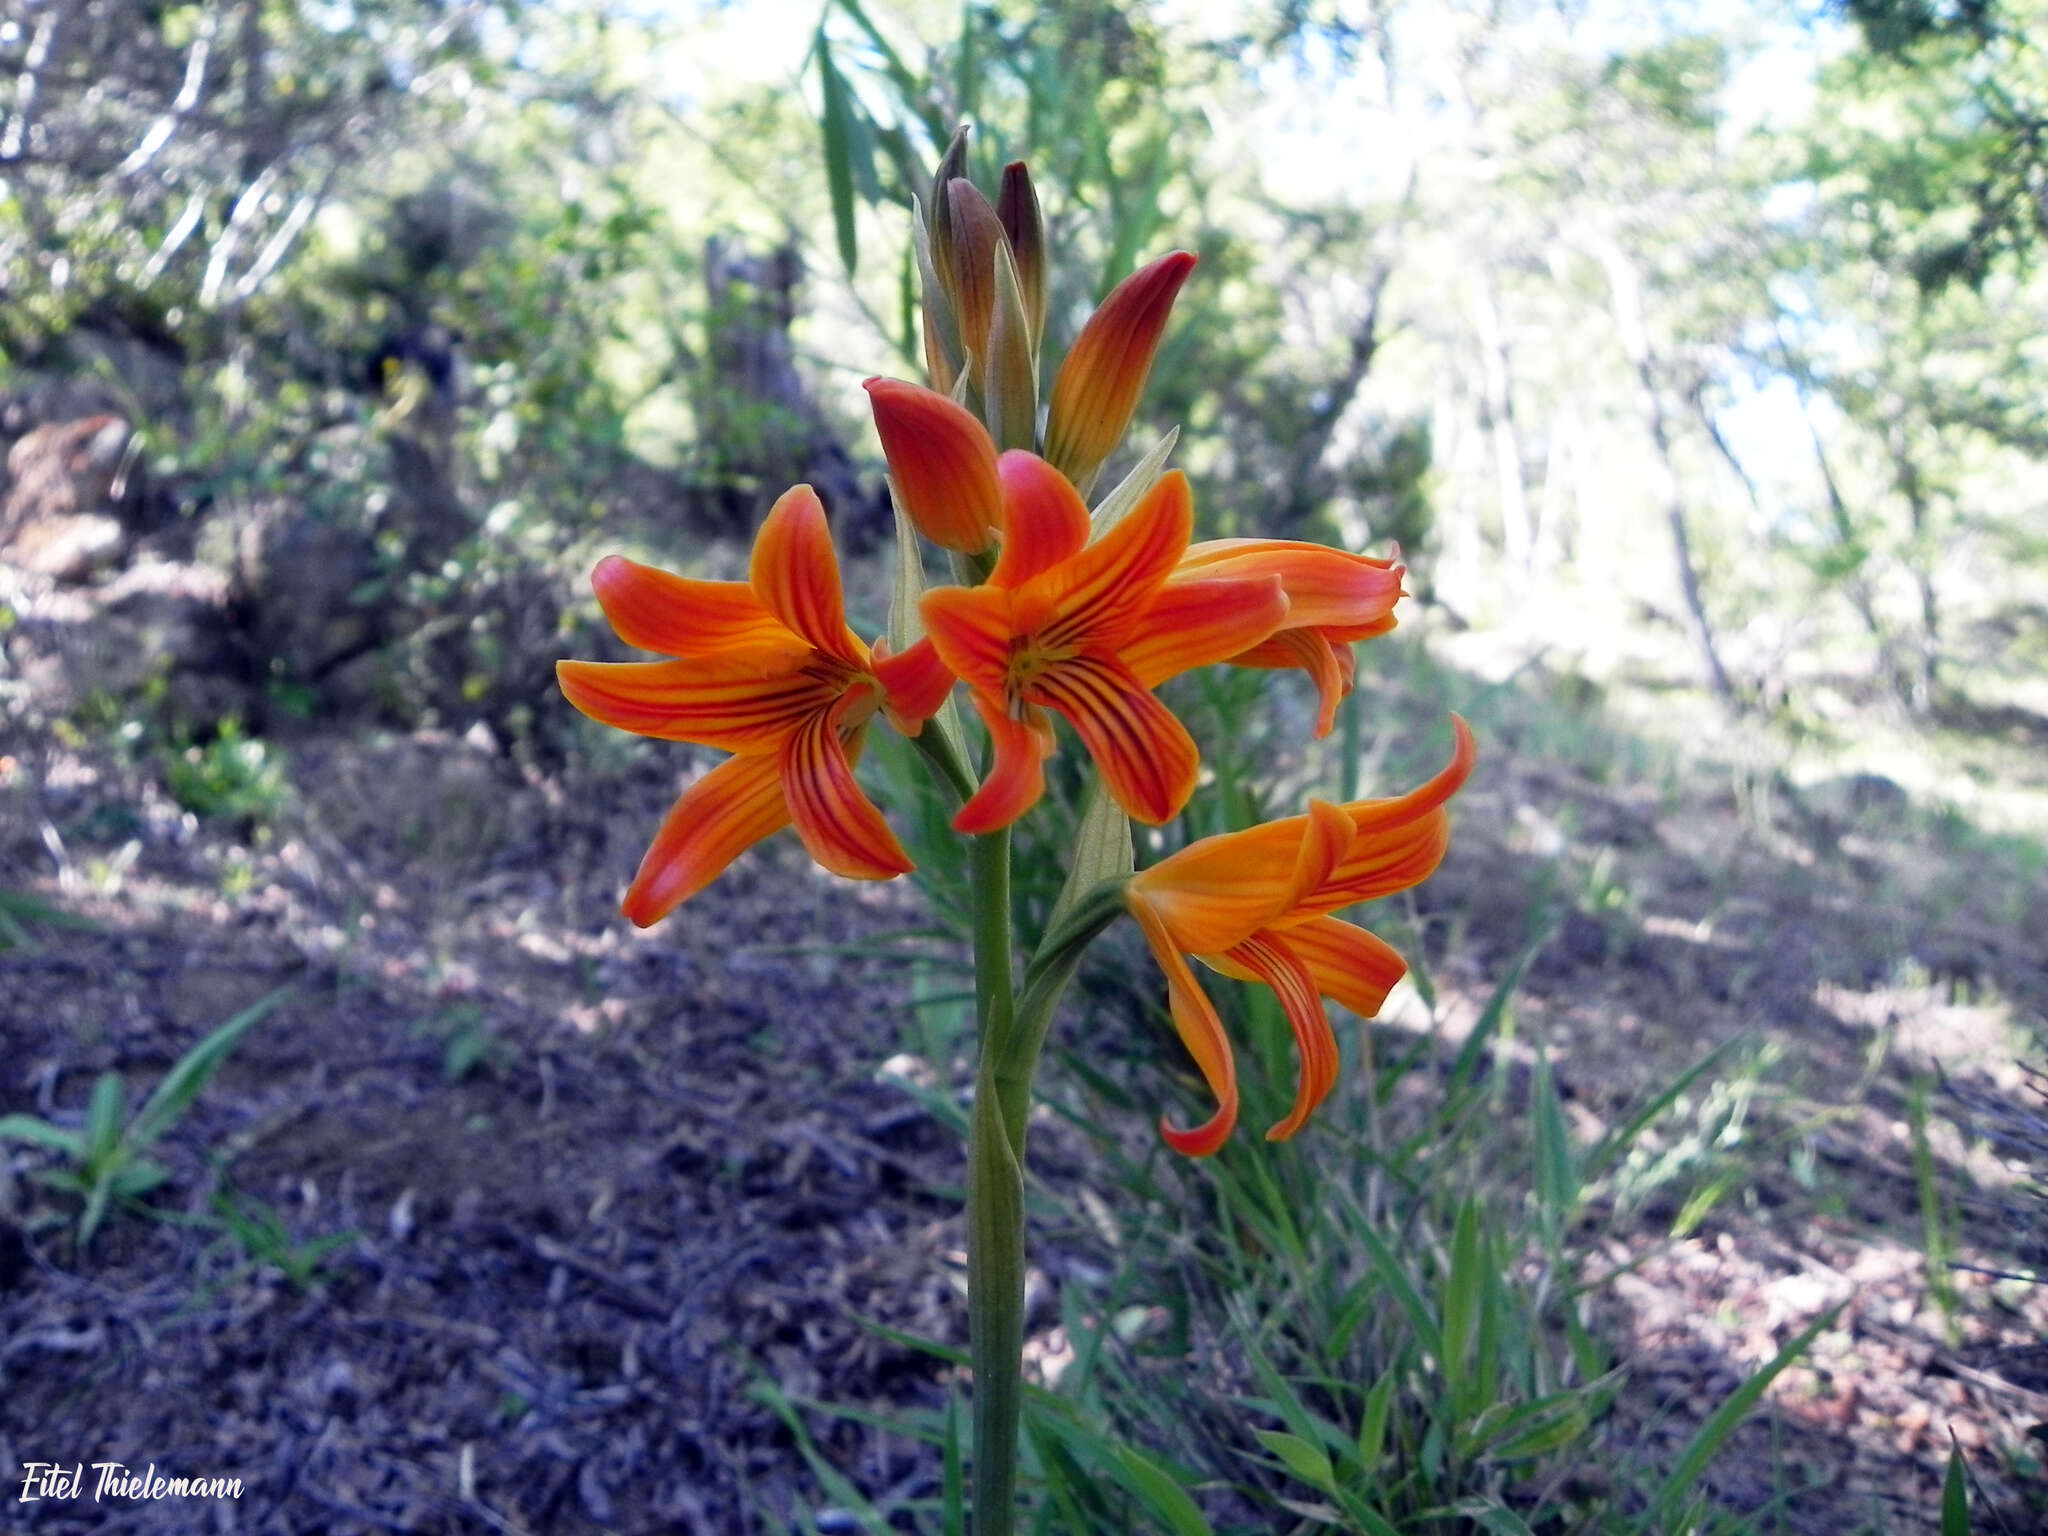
{"x": 677, "y": 616}
{"x": 716, "y": 701}
{"x": 1368, "y": 816}
{"x": 1195, "y": 623}
{"x": 943, "y": 463}
{"x": 1268, "y": 957}
{"x": 971, "y": 629}
{"x": 1194, "y": 1016}
{"x": 1350, "y": 966}
{"x": 1016, "y": 774}
{"x": 1098, "y": 598}
{"x": 1326, "y": 838}
{"x": 1148, "y": 760}
{"x": 1103, "y": 376}
{"x": 717, "y": 819}
{"x": 1044, "y": 519}
{"x": 795, "y": 574}
{"x": 839, "y": 824}
{"x": 916, "y": 683}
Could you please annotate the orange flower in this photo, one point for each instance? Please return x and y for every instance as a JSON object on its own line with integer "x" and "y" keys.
{"x": 1335, "y": 598}
{"x": 768, "y": 671}
{"x": 1255, "y": 905}
{"x": 1105, "y": 371}
{"x": 942, "y": 463}
{"x": 1089, "y": 630}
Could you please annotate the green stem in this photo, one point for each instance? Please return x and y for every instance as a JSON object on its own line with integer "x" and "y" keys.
{"x": 995, "y": 1207}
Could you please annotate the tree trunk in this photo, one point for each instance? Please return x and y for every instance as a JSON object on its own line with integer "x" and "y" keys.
{"x": 1626, "y": 291}
{"x": 1518, "y": 538}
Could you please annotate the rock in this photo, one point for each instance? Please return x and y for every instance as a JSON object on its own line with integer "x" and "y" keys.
{"x": 308, "y": 588}
{"x": 63, "y": 478}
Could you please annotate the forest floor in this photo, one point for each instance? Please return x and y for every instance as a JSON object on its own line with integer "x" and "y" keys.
{"x": 590, "y": 1186}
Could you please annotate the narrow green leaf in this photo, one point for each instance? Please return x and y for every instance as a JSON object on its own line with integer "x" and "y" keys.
{"x": 952, "y": 1495}
{"x": 1156, "y": 1486}
{"x": 1557, "y": 1180}
{"x": 1955, "y": 1496}
{"x": 1116, "y": 506}
{"x": 1492, "y": 1016}
{"x": 1707, "y": 1441}
{"x": 1402, "y": 1288}
{"x": 1372, "y": 1427}
{"x": 1102, "y": 851}
{"x": 1305, "y": 1461}
{"x": 837, "y": 123}
{"x": 1616, "y": 1142}
{"x": 1011, "y": 404}
{"x": 103, "y": 1118}
{"x": 181, "y": 1085}
{"x": 40, "y": 1133}
{"x": 1461, "y": 1298}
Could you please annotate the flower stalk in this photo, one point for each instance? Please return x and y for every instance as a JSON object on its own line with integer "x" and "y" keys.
{"x": 1058, "y": 610}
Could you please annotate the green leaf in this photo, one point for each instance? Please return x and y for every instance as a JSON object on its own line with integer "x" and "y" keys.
{"x": 40, "y": 1133}
{"x": 1557, "y": 1180}
{"x": 1461, "y": 1298}
{"x": 1305, "y": 1461}
{"x": 1102, "y": 851}
{"x": 1955, "y": 1496}
{"x": 1156, "y": 1486}
{"x": 181, "y": 1085}
{"x": 1116, "y": 506}
{"x": 1011, "y": 384}
{"x": 1707, "y": 1441}
{"x": 837, "y": 123}
{"x": 103, "y": 1119}
{"x": 1372, "y": 1427}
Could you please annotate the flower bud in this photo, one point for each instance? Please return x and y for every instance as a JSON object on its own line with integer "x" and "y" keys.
{"x": 1099, "y": 383}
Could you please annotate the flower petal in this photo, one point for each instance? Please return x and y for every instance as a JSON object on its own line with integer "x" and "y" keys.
{"x": 1310, "y": 650}
{"x": 1326, "y": 838}
{"x": 1148, "y": 760}
{"x": 653, "y": 610}
{"x": 943, "y": 463}
{"x": 1104, "y": 374}
{"x": 1044, "y": 519}
{"x": 1016, "y": 773}
{"x": 1326, "y": 586}
{"x": 716, "y": 701}
{"x": 717, "y": 819}
{"x": 1194, "y": 623}
{"x": 1350, "y": 966}
{"x": 1098, "y": 598}
{"x": 1268, "y": 958}
{"x": 839, "y": 824}
{"x": 795, "y": 574}
{"x": 972, "y": 630}
{"x": 1194, "y": 1016}
{"x": 916, "y": 682}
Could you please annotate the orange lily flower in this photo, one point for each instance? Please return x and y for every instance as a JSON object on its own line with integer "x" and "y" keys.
{"x": 1089, "y": 630}
{"x": 1335, "y": 598}
{"x": 1255, "y": 905}
{"x": 768, "y": 670}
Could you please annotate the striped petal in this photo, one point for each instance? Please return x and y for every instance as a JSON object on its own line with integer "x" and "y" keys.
{"x": 1098, "y": 598}
{"x": 1268, "y": 958}
{"x": 838, "y": 823}
{"x": 972, "y": 630}
{"x": 943, "y": 464}
{"x": 717, "y": 819}
{"x": 1195, "y": 623}
{"x": 653, "y": 610}
{"x": 1310, "y": 650}
{"x": 1016, "y": 774}
{"x": 1104, "y": 374}
{"x": 1350, "y": 966}
{"x": 1148, "y": 760}
{"x": 795, "y": 574}
{"x": 716, "y": 701}
{"x": 1044, "y": 519}
{"x": 1194, "y": 1016}
{"x": 1325, "y": 585}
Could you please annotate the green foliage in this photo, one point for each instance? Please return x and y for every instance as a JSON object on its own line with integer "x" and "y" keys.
{"x": 264, "y": 1241}
{"x": 106, "y": 1158}
{"x": 231, "y": 778}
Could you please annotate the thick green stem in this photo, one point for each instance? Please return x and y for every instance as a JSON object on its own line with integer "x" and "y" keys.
{"x": 995, "y": 1207}
{"x": 995, "y": 1308}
